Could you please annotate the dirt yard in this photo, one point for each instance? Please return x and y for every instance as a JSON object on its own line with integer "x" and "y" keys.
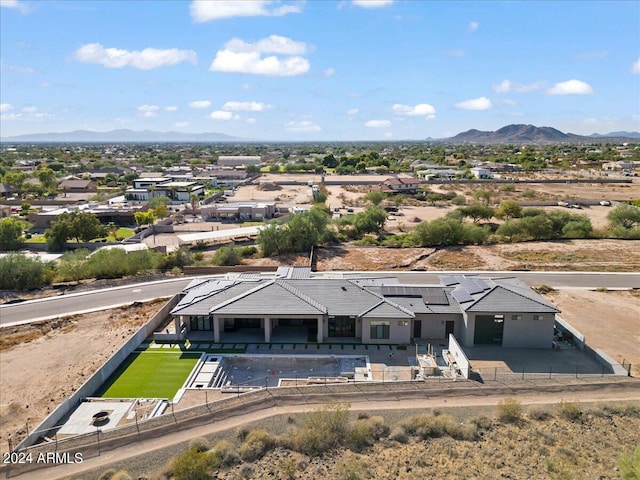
{"x": 44, "y": 362}
{"x": 609, "y": 320}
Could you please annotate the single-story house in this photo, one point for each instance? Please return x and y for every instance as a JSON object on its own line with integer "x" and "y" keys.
{"x": 78, "y": 186}
{"x": 480, "y": 172}
{"x": 7, "y": 190}
{"x": 496, "y": 311}
{"x": 400, "y": 185}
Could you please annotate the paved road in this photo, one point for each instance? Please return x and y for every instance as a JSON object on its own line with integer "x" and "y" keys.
{"x": 53, "y": 307}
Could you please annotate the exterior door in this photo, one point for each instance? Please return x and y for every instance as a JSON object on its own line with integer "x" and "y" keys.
{"x": 417, "y": 328}
{"x": 449, "y": 328}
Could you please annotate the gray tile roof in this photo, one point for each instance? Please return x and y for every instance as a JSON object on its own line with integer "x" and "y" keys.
{"x": 501, "y": 299}
{"x": 385, "y": 309}
{"x": 274, "y": 297}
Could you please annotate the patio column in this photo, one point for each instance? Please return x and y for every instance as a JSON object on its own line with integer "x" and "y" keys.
{"x": 176, "y": 324}
{"x": 267, "y": 330}
{"x": 320, "y": 330}
{"x": 216, "y": 329}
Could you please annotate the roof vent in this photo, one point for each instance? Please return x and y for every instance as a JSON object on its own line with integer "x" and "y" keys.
{"x": 344, "y": 288}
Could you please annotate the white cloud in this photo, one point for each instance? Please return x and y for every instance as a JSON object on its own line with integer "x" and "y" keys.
{"x": 420, "y": 110}
{"x": 250, "y": 120}
{"x": 571, "y": 87}
{"x": 481, "y": 103}
{"x": 353, "y": 111}
{"x": 45, "y": 85}
{"x": 182, "y": 124}
{"x": 148, "y": 111}
{"x": 146, "y": 59}
{"x": 5, "y": 107}
{"x": 245, "y": 106}
{"x": 21, "y": 7}
{"x": 200, "y": 104}
{"x": 388, "y": 135}
{"x": 221, "y": 115}
{"x": 378, "y": 124}
{"x": 29, "y": 109}
{"x": 207, "y": 10}
{"x": 456, "y": 52}
{"x": 171, "y": 108}
{"x": 21, "y": 69}
{"x": 473, "y": 26}
{"x": 239, "y": 56}
{"x": 372, "y": 3}
{"x": 507, "y": 85}
{"x": 302, "y": 126}
{"x": 635, "y": 68}
{"x": 329, "y": 72}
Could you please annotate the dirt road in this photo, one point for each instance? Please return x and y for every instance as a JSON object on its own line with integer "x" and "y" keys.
{"x": 470, "y": 397}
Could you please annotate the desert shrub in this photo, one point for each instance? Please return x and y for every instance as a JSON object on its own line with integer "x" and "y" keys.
{"x": 113, "y": 474}
{"x": 194, "y": 465}
{"x": 509, "y": 410}
{"x": 570, "y": 411}
{"x": 288, "y": 468}
{"x": 248, "y": 251}
{"x": 630, "y": 465}
{"x": 226, "y": 452}
{"x": 242, "y": 432}
{"x": 427, "y": 425}
{"x": 483, "y": 422}
{"x": 256, "y": 445}
{"x": 17, "y": 272}
{"x": 459, "y": 200}
{"x": 351, "y": 469}
{"x": 200, "y": 444}
{"x": 364, "y": 432}
{"x": 321, "y": 430}
{"x": 539, "y": 414}
{"x": 227, "y": 256}
{"x": 398, "y": 434}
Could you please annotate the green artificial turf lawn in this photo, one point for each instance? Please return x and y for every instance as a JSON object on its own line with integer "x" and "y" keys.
{"x": 150, "y": 375}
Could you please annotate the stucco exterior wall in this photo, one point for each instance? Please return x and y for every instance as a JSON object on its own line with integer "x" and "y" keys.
{"x": 399, "y": 331}
{"x": 528, "y": 333}
{"x": 434, "y": 325}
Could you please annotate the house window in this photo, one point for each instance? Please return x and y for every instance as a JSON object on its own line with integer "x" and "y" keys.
{"x": 516, "y": 317}
{"x": 538, "y": 317}
{"x": 403, "y": 323}
{"x": 379, "y": 330}
{"x": 201, "y": 323}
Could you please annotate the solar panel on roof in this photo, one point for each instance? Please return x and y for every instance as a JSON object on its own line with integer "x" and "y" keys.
{"x": 449, "y": 280}
{"x": 471, "y": 286}
{"x": 401, "y": 291}
{"x": 435, "y": 296}
{"x": 461, "y": 295}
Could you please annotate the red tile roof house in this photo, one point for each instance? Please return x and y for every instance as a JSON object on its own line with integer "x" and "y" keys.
{"x": 400, "y": 185}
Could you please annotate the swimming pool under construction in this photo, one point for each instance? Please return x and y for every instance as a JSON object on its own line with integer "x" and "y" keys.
{"x": 234, "y": 372}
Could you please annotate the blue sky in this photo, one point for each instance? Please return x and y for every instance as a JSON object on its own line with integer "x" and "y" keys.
{"x": 319, "y": 70}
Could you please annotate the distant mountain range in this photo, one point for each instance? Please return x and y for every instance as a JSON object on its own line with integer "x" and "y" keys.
{"x": 522, "y": 134}
{"x": 123, "y": 136}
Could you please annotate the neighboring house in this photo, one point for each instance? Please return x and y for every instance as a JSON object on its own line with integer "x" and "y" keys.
{"x": 7, "y": 190}
{"x": 400, "y": 185}
{"x": 144, "y": 189}
{"x": 239, "y": 210}
{"x": 480, "y": 172}
{"x": 78, "y": 186}
{"x": 476, "y": 310}
{"x": 239, "y": 160}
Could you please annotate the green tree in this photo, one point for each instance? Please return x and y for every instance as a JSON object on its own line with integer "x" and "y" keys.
{"x": 72, "y": 266}
{"x": 433, "y": 198}
{"x": 477, "y": 212}
{"x": 375, "y": 197}
{"x": 161, "y": 211}
{"x": 577, "y": 228}
{"x": 158, "y": 201}
{"x": 10, "y": 234}
{"x": 145, "y": 218}
{"x": 18, "y": 272}
{"x": 483, "y": 195}
{"x": 48, "y": 179}
{"x": 252, "y": 169}
{"x": 439, "y": 232}
{"x": 272, "y": 239}
{"x": 624, "y": 216}
{"x": 82, "y": 226}
{"x": 15, "y": 179}
{"x": 512, "y": 229}
{"x": 330, "y": 161}
{"x": 508, "y": 209}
